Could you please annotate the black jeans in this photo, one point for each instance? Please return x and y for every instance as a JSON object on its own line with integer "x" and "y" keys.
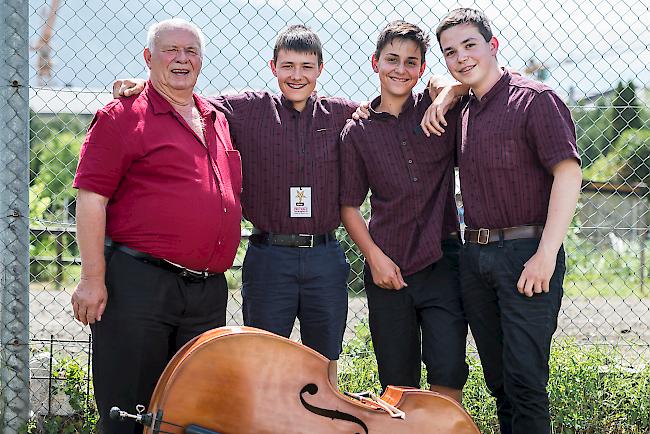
{"x": 513, "y": 332}
{"x": 151, "y": 313}
{"x": 421, "y": 322}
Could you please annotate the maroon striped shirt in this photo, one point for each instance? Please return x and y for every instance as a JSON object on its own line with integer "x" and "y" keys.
{"x": 510, "y": 141}
{"x": 283, "y": 148}
{"x": 411, "y": 180}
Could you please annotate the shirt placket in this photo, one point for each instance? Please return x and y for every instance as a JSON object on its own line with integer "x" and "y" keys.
{"x": 475, "y": 151}
{"x": 408, "y": 155}
{"x": 215, "y": 156}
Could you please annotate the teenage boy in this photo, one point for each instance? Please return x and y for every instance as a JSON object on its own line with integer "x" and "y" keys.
{"x": 411, "y": 243}
{"x": 520, "y": 180}
{"x": 294, "y": 266}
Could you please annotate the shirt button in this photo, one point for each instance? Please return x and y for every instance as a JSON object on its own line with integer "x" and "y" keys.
{"x": 219, "y": 242}
{"x": 415, "y": 179}
{"x": 225, "y": 210}
{"x": 404, "y": 143}
{"x": 410, "y": 161}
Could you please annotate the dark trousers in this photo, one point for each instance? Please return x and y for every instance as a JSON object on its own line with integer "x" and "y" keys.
{"x": 513, "y": 332}
{"x": 421, "y": 322}
{"x": 150, "y": 314}
{"x": 280, "y": 284}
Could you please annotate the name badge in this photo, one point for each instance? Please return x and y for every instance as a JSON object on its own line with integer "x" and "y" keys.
{"x": 300, "y": 199}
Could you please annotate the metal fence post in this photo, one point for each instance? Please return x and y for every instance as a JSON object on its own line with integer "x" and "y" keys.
{"x": 14, "y": 217}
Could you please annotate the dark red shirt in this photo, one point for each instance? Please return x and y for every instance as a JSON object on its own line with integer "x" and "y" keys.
{"x": 283, "y": 148}
{"x": 510, "y": 141}
{"x": 169, "y": 194}
{"x": 411, "y": 180}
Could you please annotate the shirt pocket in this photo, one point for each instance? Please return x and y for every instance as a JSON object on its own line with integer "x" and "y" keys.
{"x": 326, "y": 147}
{"x": 234, "y": 166}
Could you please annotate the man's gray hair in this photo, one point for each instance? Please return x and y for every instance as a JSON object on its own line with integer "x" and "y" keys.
{"x": 155, "y": 28}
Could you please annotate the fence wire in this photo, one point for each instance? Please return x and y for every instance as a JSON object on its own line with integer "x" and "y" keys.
{"x": 592, "y": 52}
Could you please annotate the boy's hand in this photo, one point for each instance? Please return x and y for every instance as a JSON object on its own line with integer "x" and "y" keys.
{"x": 433, "y": 120}
{"x": 537, "y": 274}
{"x": 362, "y": 112}
{"x": 128, "y": 87}
{"x": 385, "y": 273}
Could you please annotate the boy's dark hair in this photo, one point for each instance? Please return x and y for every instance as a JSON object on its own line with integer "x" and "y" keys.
{"x": 298, "y": 38}
{"x": 402, "y": 30}
{"x": 466, "y": 16}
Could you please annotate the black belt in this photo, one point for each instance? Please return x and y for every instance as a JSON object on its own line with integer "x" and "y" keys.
{"x": 485, "y": 236}
{"x": 453, "y": 236}
{"x": 185, "y": 273}
{"x": 291, "y": 240}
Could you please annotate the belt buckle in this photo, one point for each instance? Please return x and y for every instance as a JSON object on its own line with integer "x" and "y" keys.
{"x": 482, "y": 231}
{"x": 186, "y": 272}
{"x": 311, "y": 240}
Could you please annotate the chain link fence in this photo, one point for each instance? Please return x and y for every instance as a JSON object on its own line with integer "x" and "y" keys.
{"x": 594, "y": 53}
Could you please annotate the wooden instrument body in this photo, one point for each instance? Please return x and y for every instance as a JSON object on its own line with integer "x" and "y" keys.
{"x": 240, "y": 380}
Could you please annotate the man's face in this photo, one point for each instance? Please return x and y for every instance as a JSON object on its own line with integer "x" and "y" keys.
{"x": 297, "y": 74}
{"x": 399, "y": 67}
{"x": 175, "y": 59}
{"x": 470, "y": 59}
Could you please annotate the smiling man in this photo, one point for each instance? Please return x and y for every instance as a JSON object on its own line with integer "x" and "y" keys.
{"x": 158, "y": 218}
{"x": 294, "y": 266}
{"x": 411, "y": 243}
{"x": 520, "y": 180}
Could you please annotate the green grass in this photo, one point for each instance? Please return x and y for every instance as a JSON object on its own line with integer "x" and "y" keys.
{"x": 590, "y": 392}
{"x": 601, "y": 287}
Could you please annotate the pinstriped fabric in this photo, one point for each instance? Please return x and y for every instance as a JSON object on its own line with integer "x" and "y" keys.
{"x": 410, "y": 178}
{"x": 282, "y": 148}
{"x": 509, "y": 143}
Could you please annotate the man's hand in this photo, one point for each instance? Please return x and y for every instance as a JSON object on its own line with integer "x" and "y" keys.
{"x": 385, "y": 273}
{"x": 433, "y": 120}
{"x": 89, "y": 300}
{"x": 537, "y": 273}
{"x": 128, "y": 87}
{"x": 362, "y": 112}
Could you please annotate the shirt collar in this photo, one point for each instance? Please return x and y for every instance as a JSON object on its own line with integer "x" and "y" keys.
{"x": 407, "y": 107}
{"x": 501, "y": 84}
{"x": 161, "y": 105}
{"x": 289, "y": 105}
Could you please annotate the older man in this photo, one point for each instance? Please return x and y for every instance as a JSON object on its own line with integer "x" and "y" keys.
{"x": 158, "y": 215}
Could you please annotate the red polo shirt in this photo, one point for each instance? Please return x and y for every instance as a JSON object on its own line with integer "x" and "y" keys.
{"x": 169, "y": 194}
{"x": 411, "y": 179}
{"x": 283, "y": 148}
{"x": 510, "y": 141}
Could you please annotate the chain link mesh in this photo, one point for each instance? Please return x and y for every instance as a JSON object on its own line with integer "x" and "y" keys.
{"x": 594, "y": 53}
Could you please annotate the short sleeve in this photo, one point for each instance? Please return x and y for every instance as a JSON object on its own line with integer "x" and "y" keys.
{"x": 551, "y": 130}
{"x": 104, "y": 156}
{"x": 354, "y": 180}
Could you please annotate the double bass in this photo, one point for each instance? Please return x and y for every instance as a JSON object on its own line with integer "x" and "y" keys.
{"x": 241, "y": 380}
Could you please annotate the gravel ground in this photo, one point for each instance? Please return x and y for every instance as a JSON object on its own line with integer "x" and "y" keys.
{"x": 614, "y": 321}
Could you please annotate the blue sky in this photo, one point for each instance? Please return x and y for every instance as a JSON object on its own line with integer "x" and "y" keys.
{"x": 588, "y": 45}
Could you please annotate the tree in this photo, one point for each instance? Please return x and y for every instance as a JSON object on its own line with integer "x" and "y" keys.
{"x": 623, "y": 115}
{"x": 628, "y": 162}
{"x": 591, "y": 126}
